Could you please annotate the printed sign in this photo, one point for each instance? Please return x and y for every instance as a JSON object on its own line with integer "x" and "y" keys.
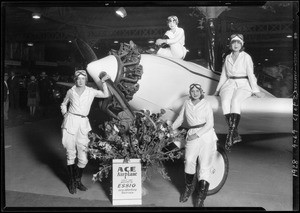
{"x": 127, "y": 183}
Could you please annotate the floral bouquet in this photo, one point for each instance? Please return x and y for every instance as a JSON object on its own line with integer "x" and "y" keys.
{"x": 148, "y": 137}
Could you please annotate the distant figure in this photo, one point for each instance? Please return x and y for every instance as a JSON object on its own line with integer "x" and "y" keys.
{"x": 32, "y": 95}
{"x": 201, "y": 143}
{"x": 14, "y": 91}
{"x": 237, "y": 83}
{"x": 76, "y": 126}
{"x": 5, "y": 97}
{"x": 45, "y": 91}
{"x": 175, "y": 38}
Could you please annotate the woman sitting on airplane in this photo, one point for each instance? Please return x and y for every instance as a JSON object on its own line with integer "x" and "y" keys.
{"x": 237, "y": 83}
{"x": 201, "y": 143}
{"x": 174, "y": 38}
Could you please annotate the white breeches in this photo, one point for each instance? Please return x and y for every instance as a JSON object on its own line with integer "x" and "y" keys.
{"x": 174, "y": 51}
{"x": 75, "y": 144}
{"x": 204, "y": 151}
{"x": 232, "y": 98}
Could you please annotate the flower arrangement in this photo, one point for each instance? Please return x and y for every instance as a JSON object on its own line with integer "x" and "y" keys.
{"x": 148, "y": 137}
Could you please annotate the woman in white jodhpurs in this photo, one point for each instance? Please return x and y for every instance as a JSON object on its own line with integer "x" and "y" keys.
{"x": 76, "y": 126}
{"x": 201, "y": 143}
{"x": 175, "y": 38}
{"x": 237, "y": 83}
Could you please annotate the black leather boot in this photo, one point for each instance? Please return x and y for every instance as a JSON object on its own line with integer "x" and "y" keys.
{"x": 190, "y": 182}
{"x": 202, "y": 193}
{"x": 236, "y": 119}
{"x": 71, "y": 181}
{"x": 228, "y": 119}
{"x": 229, "y": 142}
{"x": 79, "y": 185}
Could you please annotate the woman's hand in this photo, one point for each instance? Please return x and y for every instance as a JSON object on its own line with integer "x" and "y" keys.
{"x": 259, "y": 94}
{"x": 192, "y": 137}
{"x": 159, "y": 41}
{"x": 65, "y": 114}
{"x": 104, "y": 78}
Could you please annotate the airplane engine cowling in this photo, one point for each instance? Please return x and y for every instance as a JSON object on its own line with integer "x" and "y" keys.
{"x": 129, "y": 70}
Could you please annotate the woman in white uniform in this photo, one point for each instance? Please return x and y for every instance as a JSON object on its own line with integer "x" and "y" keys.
{"x": 175, "y": 38}
{"x": 237, "y": 83}
{"x": 201, "y": 142}
{"x": 76, "y": 125}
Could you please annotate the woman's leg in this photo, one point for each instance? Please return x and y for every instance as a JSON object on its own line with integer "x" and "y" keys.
{"x": 68, "y": 141}
{"x": 238, "y": 98}
{"x": 82, "y": 145}
{"x": 191, "y": 154}
{"x": 33, "y": 110}
{"x": 226, "y": 95}
{"x": 207, "y": 152}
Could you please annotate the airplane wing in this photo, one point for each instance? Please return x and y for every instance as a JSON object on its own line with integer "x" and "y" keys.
{"x": 258, "y": 115}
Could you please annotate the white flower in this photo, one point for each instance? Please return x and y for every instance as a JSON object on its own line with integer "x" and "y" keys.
{"x": 169, "y": 122}
{"x": 116, "y": 129}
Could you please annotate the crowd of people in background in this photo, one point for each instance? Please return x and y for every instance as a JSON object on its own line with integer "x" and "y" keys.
{"x": 31, "y": 92}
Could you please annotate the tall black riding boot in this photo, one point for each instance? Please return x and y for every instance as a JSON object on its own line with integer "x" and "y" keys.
{"x": 71, "y": 181}
{"x": 190, "y": 182}
{"x": 229, "y": 140}
{"x": 228, "y": 119}
{"x": 202, "y": 193}
{"x": 236, "y": 119}
{"x": 79, "y": 185}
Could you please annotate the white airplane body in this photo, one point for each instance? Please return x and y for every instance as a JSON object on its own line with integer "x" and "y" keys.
{"x": 165, "y": 85}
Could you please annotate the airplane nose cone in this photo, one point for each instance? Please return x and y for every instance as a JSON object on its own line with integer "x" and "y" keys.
{"x": 109, "y": 64}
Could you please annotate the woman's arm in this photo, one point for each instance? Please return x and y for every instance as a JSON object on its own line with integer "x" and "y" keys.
{"x": 222, "y": 80}
{"x": 63, "y": 105}
{"x": 209, "y": 121}
{"x": 177, "y": 38}
{"x": 102, "y": 93}
{"x": 250, "y": 73}
{"x": 179, "y": 120}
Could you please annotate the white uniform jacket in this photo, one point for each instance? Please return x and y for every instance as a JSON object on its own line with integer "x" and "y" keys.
{"x": 243, "y": 66}
{"x": 79, "y": 105}
{"x": 195, "y": 115}
{"x": 176, "y": 41}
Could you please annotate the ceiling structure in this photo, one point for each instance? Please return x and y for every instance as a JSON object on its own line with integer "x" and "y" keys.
{"x": 265, "y": 25}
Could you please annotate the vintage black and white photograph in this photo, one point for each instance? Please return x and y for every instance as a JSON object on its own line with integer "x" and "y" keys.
{"x": 149, "y": 105}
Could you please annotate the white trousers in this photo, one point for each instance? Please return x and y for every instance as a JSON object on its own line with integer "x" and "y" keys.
{"x": 174, "y": 51}
{"x": 203, "y": 150}
{"x": 232, "y": 98}
{"x": 75, "y": 144}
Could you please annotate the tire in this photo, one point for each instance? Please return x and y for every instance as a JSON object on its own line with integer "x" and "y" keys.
{"x": 219, "y": 171}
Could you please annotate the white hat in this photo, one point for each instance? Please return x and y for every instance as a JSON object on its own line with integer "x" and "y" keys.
{"x": 237, "y": 37}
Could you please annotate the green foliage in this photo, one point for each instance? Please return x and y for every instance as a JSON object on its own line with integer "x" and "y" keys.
{"x": 146, "y": 137}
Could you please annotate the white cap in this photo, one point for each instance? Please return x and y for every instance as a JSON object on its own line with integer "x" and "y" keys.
{"x": 237, "y": 38}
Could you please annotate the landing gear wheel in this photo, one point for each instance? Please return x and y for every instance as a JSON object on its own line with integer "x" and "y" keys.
{"x": 219, "y": 171}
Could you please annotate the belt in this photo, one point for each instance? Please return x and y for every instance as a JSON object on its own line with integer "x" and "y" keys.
{"x": 238, "y": 77}
{"x": 78, "y": 115}
{"x": 197, "y": 126}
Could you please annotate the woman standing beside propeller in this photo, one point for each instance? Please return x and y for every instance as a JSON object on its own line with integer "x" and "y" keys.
{"x": 237, "y": 83}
